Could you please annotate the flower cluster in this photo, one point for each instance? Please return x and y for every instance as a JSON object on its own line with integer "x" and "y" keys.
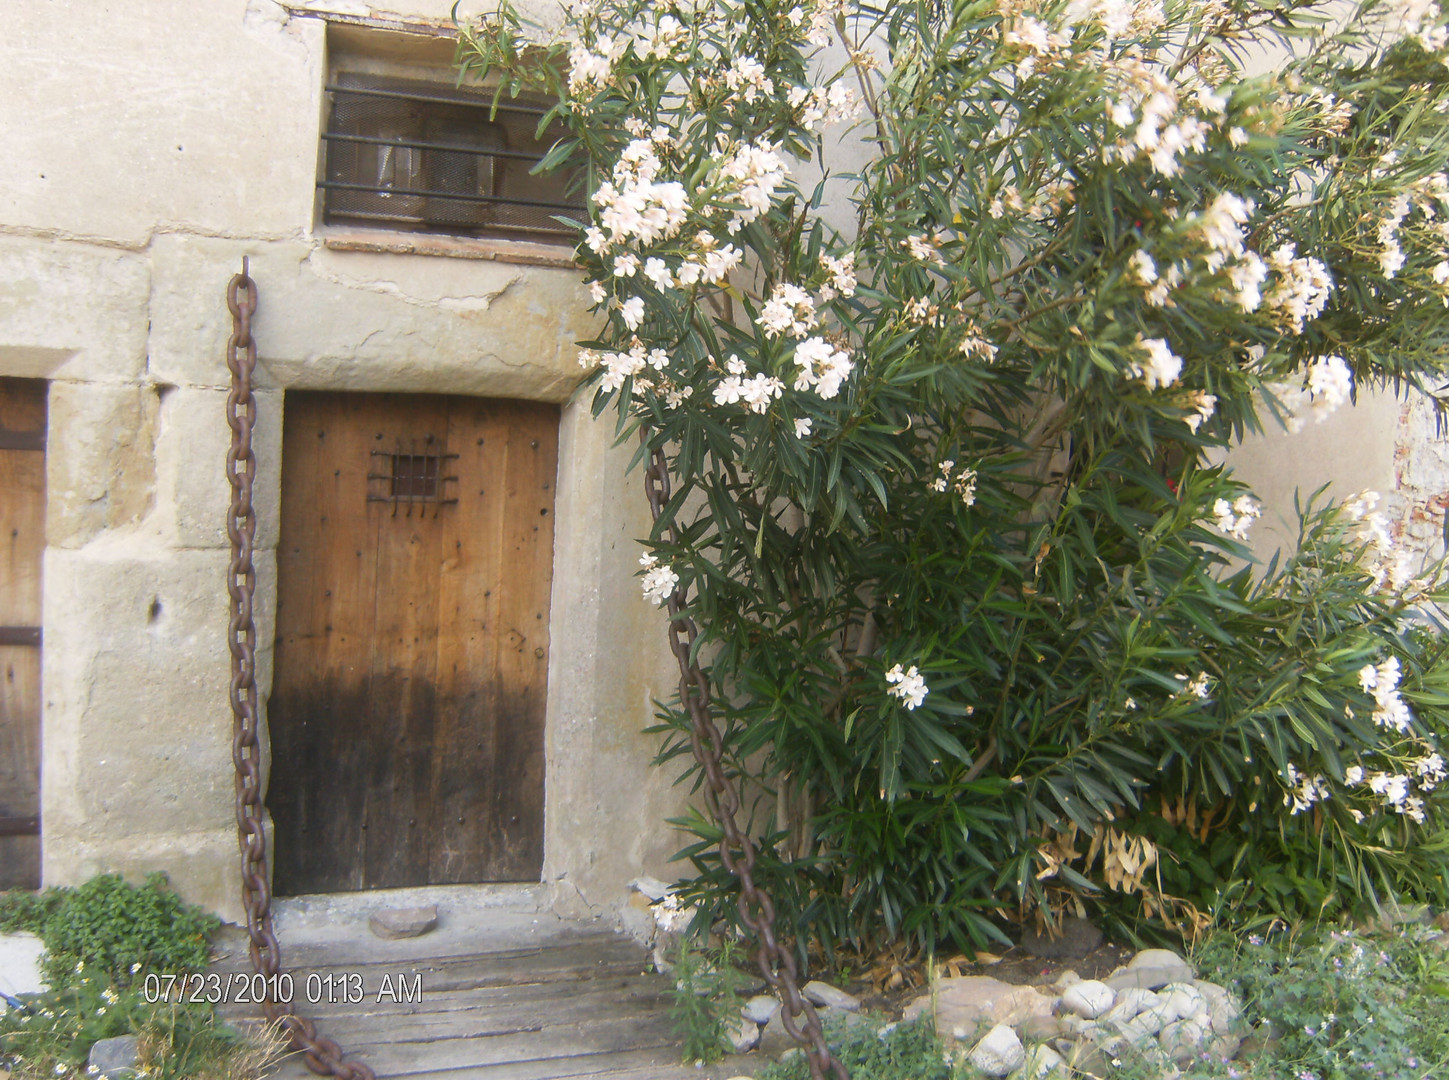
{"x": 1301, "y": 291}
{"x": 1304, "y": 790}
{"x": 1236, "y": 518}
{"x": 1161, "y": 366}
{"x": 788, "y": 311}
{"x": 1202, "y": 406}
{"x": 907, "y": 685}
{"x": 821, "y": 106}
{"x": 620, "y": 366}
{"x": 659, "y": 579}
{"x": 822, "y": 367}
{"x": 634, "y": 206}
{"x": 1198, "y": 687}
{"x": 1391, "y": 711}
{"x": 840, "y": 276}
{"x": 963, "y": 484}
{"x": 1329, "y": 386}
{"x": 751, "y": 173}
{"x": 755, "y": 392}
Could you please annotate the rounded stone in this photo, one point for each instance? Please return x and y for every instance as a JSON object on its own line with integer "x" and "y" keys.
{"x": 1089, "y": 998}
{"x": 403, "y": 922}
{"x": 760, "y": 1009}
{"x": 1182, "y": 1040}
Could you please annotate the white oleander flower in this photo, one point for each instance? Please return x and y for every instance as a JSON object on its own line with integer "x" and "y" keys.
{"x": 908, "y": 685}
{"x": 1162, "y": 366}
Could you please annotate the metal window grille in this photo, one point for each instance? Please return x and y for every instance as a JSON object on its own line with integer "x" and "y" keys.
{"x": 413, "y": 155}
{"x": 411, "y": 479}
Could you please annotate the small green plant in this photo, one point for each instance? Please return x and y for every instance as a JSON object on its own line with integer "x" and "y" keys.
{"x": 707, "y": 998}
{"x": 101, "y": 940}
{"x": 904, "y": 1052}
{"x": 107, "y": 925}
{"x": 1341, "y": 1004}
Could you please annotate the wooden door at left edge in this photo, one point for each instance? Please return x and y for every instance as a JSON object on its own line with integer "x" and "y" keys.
{"x": 22, "y": 533}
{"x": 414, "y": 575}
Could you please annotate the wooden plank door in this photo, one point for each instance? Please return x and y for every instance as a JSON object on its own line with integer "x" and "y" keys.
{"x": 22, "y": 545}
{"x": 414, "y": 569}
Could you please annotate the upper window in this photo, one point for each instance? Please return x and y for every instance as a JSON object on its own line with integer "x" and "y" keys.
{"x": 407, "y": 154}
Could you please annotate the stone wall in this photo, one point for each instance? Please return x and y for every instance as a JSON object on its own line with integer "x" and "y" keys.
{"x": 149, "y": 147}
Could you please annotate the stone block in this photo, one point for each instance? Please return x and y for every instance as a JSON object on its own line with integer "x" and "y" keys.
{"x": 218, "y": 133}
{"x": 20, "y": 964}
{"x": 71, "y": 311}
{"x": 101, "y": 460}
{"x": 974, "y": 999}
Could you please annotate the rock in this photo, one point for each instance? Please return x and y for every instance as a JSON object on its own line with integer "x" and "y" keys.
{"x": 1078, "y": 937}
{"x": 1260, "y": 1041}
{"x": 1066, "y": 979}
{"x": 410, "y": 922}
{"x": 1130, "y": 1002}
{"x": 1084, "y": 1058}
{"x": 20, "y": 962}
{"x": 774, "y": 1039}
{"x": 1088, "y": 998}
{"x": 1184, "y": 1001}
{"x": 999, "y": 1053}
{"x": 1224, "y": 1015}
{"x": 115, "y": 1058}
{"x": 744, "y": 1035}
{"x": 638, "y": 919}
{"x": 1142, "y": 1028}
{"x": 652, "y": 888}
{"x": 1151, "y": 969}
{"x": 1042, "y": 1028}
{"x": 825, "y": 994}
{"x": 1147, "y": 978}
{"x": 1042, "y": 1061}
{"x": 760, "y": 1009}
{"x": 1182, "y": 1040}
{"x": 972, "y": 999}
{"x": 1224, "y": 1047}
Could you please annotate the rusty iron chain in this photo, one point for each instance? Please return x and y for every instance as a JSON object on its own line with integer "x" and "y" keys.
{"x": 737, "y": 848}
{"x": 322, "y": 1055}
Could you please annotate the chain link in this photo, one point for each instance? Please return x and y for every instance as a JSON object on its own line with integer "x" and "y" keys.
{"x": 736, "y": 849}
{"x": 322, "y": 1055}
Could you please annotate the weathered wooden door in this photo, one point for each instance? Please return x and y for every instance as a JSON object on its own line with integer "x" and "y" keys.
{"x": 414, "y": 568}
{"x": 22, "y": 534}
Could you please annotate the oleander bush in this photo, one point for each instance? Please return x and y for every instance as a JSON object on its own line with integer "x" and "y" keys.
{"x": 944, "y": 314}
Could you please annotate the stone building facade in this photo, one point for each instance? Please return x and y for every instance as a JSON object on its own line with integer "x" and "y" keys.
{"x": 150, "y": 146}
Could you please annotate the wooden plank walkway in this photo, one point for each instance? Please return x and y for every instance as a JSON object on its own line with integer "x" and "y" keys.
{"x": 505, "y": 992}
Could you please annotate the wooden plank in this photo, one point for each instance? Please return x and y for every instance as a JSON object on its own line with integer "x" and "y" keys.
{"x": 527, "y": 555}
{"x": 654, "y": 1064}
{"x": 403, "y": 738}
{"x": 22, "y": 547}
{"x": 323, "y": 668}
{"x": 498, "y": 593}
{"x": 553, "y": 1042}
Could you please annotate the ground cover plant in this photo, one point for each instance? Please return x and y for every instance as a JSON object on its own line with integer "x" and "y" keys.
{"x": 102, "y": 939}
{"x": 1333, "y": 1003}
{"x": 944, "y": 434}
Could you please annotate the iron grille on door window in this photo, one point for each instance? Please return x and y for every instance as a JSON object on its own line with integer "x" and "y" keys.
{"x": 417, "y": 155}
